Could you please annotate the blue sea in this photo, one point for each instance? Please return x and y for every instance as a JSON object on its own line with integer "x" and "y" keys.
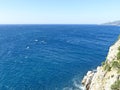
{"x": 51, "y": 57}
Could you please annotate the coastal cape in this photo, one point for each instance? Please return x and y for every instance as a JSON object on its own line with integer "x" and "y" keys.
{"x": 106, "y": 76}
{"x": 114, "y": 23}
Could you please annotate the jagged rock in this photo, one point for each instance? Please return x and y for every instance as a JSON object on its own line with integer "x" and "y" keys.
{"x": 103, "y": 79}
{"x": 87, "y": 79}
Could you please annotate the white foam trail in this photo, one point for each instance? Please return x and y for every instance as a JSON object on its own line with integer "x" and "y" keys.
{"x": 76, "y": 85}
{"x": 67, "y": 88}
{"x": 43, "y": 42}
{"x": 82, "y": 88}
{"x": 27, "y": 47}
{"x": 36, "y": 40}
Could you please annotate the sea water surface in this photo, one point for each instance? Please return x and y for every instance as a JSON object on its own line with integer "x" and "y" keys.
{"x": 51, "y": 57}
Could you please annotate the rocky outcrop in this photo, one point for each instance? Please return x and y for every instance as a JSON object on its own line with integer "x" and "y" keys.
{"x": 106, "y": 75}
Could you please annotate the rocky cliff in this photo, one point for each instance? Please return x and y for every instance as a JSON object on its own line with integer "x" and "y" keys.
{"x": 106, "y": 76}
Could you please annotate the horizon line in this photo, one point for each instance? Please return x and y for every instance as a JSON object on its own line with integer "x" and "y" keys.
{"x": 46, "y": 24}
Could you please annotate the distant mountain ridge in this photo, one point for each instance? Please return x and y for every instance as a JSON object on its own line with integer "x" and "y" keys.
{"x": 113, "y": 23}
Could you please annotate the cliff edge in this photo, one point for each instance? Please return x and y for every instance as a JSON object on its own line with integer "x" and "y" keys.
{"x": 106, "y": 76}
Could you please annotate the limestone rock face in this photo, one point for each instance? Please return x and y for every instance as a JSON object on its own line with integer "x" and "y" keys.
{"x": 102, "y": 79}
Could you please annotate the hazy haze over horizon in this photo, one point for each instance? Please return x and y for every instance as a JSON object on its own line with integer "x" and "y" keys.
{"x": 58, "y": 11}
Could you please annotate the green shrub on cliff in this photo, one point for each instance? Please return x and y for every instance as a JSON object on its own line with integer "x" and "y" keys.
{"x": 103, "y": 63}
{"x": 118, "y": 55}
{"x": 115, "y": 64}
{"x": 116, "y": 85}
{"x": 106, "y": 66}
{"x": 119, "y": 48}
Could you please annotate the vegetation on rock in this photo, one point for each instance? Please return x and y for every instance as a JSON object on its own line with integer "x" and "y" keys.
{"x": 118, "y": 55}
{"x": 116, "y": 85}
{"x": 115, "y": 64}
{"x": 106, "y": 66}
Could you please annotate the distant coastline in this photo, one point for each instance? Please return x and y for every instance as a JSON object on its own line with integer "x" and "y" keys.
{"x": 114, "y": 23}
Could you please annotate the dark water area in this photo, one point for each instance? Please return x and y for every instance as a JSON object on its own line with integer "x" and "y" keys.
{"x": 51, "y": 57}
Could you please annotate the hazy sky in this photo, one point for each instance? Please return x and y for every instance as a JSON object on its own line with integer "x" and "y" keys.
{"x": 58, "y": 11}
